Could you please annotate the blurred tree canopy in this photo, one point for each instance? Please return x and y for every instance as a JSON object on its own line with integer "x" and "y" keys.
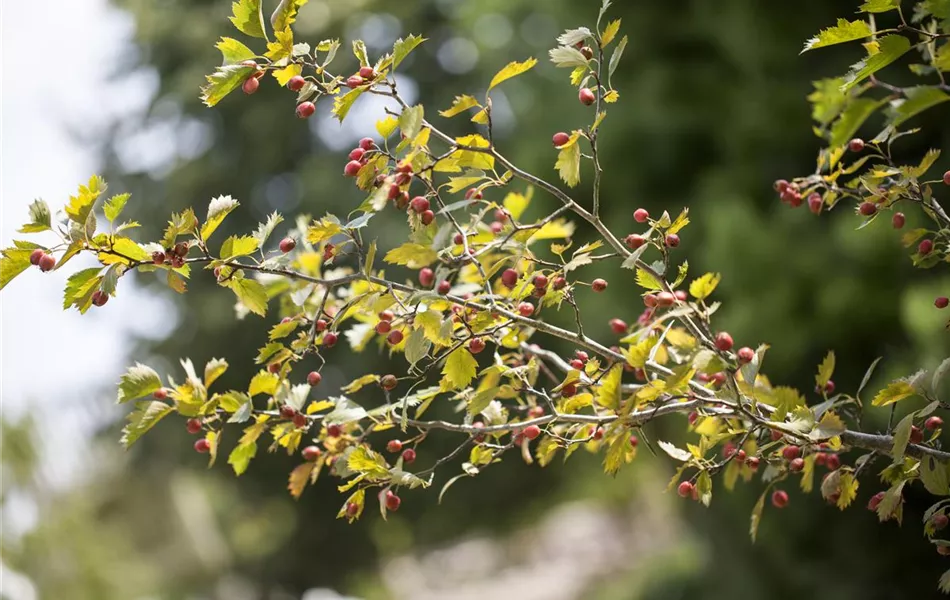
{"x": 716, "y": 110}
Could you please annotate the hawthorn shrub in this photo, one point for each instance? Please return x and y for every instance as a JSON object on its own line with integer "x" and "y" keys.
{"x": 466, "y": 295}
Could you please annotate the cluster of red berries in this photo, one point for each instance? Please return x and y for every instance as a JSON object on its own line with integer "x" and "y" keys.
{"x": 41, "y": 259}
{"x": 174, "y": 256}
{"x": 363, "y": 77}
{"x": 359, "y": 156}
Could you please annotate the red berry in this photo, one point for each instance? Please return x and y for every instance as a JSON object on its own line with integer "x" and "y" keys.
{"x": 598, "y": 434}
{"x": 392, "y": 501}
{"x": 898, "y": 220}
{"x": 618, "y": 326}
{"x": 779, "y": 498}
{"x": 634, "y": 240}
{"x": 444, "y": 287}
{"x": 394, "y": 446}
{"x": 665, "y": 299}
{"x": 357, "y": 154}
{"x": 419, "y": 204}
{"x": 832, "y": 461}
{"x": 568, "y": 390}
{"x": 427, "y": 217}
{"x": 329, "y": 339}
{"x": 408, "y": 456}
{"x": 287, "y": 244}
{"x": 300, "y": 420}
{"x": 791, "y": 196}
{"x": 273, "y": 367}
{"x": 354, "y": 81}
{"x": 37, "y": 254}
{"x": 598, "y": 285}
{"x": 473, "y": 194}
{"x": 916, "y": 435}
{"x": 296, "y": 83}
{"x": 367, "y": 143}
{"x": 311, "y": 453}
{"x": 250, "y": 85}
{"x": 946, "y": 178}
{"x": 821, "y": 458}
{"x": 875, "y": 501}
{"x": 47, "y": 262}
{"x": 587, "y": 52}
{"x": 367, "y": 73}
{"x": 776, "y": 435}
{"x": 672, "y": 240}
{"x": 526, "y": 309}
{"x": 815, "y": 203}
{"x": 856, "y": 145}
{"x": 867, "y": 208}
{"x": 939, "y": 521}
{"x": 685, "y": 489}
{"x": 532, "y": 432}
{"x": 780, "y": 185}
{"x": 942, "y": 302}
{"x": 334, "y": 430}
{"x": 193, "y": 426}
{"x": 287, "y": 411}
{"x": 306, "y": 109}
{"x": 509, "y": 278}
{"x": 321, "y": 324}
{"x": 581, "y": 355}
{"x": 728, "y": 449}
{"x": 692, "y": 417}
{"x": 540, "y": 281}
{"x": 796, "y": 465}
{"x": 426, "y": 277}
{"x": 314, "y": 378}
{"x": 393, "y": 192}
{"x": 924, "y": 248}
{"x": 395, "y": 336}
{"x": 352, "y": 168}
{"x": 202, "y": 445}
{"x": 634, "y": 441}
{"x": 724, "y": 341}
{"x": 476, "y": 345}
{"x": 752, "y": 462}
{"x": 791, "y": 452}
{"x": 933, "y": 423}
{"x": 99, "y": 298}
{"x": 383, "y": 327}
{"x": 159, "y": 259}
{"x": 830, "y": 387}
{"x": 641, "y": 215}
{"x": 586, "y": 96}
{"x": 388, "y": 382}
{"x": 459, "y": 239}
{"x": 560, "y": 138}
{"x": 386, "y": 315}
{"x": 577, "y": 364}
{"x": 740, "y": 455}
{"x": 559, "y": 283}
{"x": 745, "y": 354}
{"x": 650, "y": 300}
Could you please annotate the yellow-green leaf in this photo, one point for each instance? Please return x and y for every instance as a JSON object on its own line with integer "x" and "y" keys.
{"x": 412, "y": 255}
{"x": 894, "y": 392}
{"x": 235, "y": 246}
{"x": 248, "y": 18}
{"x": 512, "y": 69}
{"x": 610, "y": 32}
{"x": 844, "y": 31}
{"x": 704, "y": 286}
{"x": 608, "y": 394}
{"x": 461, "y": 103}
{"x": 825, "y": 370}
{"x": 323, "y": 229}
{"x": 251, "y": 294}
{"x": 459, "y": 369}
{"x": 568, "y": 163}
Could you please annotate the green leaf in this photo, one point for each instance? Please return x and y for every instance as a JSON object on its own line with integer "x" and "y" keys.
{"x": 844, "y": 31}
{"x": 901, "y": 438}
{"x": 138, "y": 381}
{"x": 827, "y": 100}
{"x": 703, "y": 287}
{"x": 235, "y": 246}
{"x": 342, "y": 103}
{"x": 113, "y": 207}
{"x": 218, "y": 209}
{"x": 39, "y": 218}
{"x": 359, "y": 51}
{"x": 241, "y": 457}
{"x": 890, "y": 48}
{"x": 417, "y": 346}
{"x": 481, "y": 400}
{"x": 223, "y": 81}
{"x": 79, "y": 288}
{"x": 756, "y": 517}
{"x": 648, "y": 281}
{"x": 894, "y": 392}
{"x": 412, "y": 255}
{"x": 81, "y": 204}
{"x": 263, "y": 383}
{"x": 285, "y": 14}
{"x": 459, "y": 369}
{"x": 568, "y": 162}
{"x": 825, "y": 370}
{"x": 365, "y": 461}
{"x": 933, "y": 474}
{"x": 512, "y": 69}
{"x": 879, "y": 6}
{"x": 323, "y": 229}
{"x": 248, "y": 17}
{"x": 856, "y": 113}
{"x": 848, "y": 489}
{"x": 251, "y": 294}
{"x": 615, "y": 57}
{"x": 567, "y": 57}
{"x": 14, "y": 261}
{"x": 926, "y": 162}
{"x": 461, "y": 103}
{"x": 403, "y": 47}
{"x": 916, "y": 100}
{"x": 619, "y": 453}
{"x": 410, "y": 121}
{"x": 608, "y": 394}
{"x": 180, "y": 223}
{"x": 142, "y": 419}
{"x": 233, "y": 51}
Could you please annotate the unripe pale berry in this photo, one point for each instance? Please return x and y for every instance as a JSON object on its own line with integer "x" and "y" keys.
{"x": 306, "y": 109}
{"x": 314, "y": 378}
{"x": 560, "y": 138}
{"x": 815, "y": 203}
{"x": 427, "y": 217}
{"x": 724, "y": 341}
{"x": 856, "y": 145}
{"x": 577, "y": 364}
{"x": 392, "y": 501}
{"x": 867, "y": 208}
{"x": 329, "y": 339}
{"x": 352, "y": 168}
{"x": 685, "y": 489}
{"x": 202, "y": 445}
{"x": 311, "y": 453}
{"x": 394, "y": 446}
{"x": 37, "y": 254}
{"x": 598, "y": 285}
{"x": 287, "y": 244}
{"x": 925, "y": 247}
{"x": 47, "y": 262}
{"x": 444, "y": 287}
{"x": 650, "y": 300}
{"x": 296, "y": 83}
{"x": 535, "y": 411}
{"x": 586, "y": 96}
{"x": 532, "y": 432}
{"x": 745, "y": 354}
{"x": 476, "y": 345}
{"x": 408, "y": 456}
{"x": 509, "y": 277}
{"x": 932, "y": 423}
{"x": 526, "y": 309}
{"x": 367, "y": 73}
{"x": 426, "y": 277}
{"x": 250, "y": 85}
{"x": 388, "y": 382}
{"x": 321, "y": 324}
{"x": 193, "y": 426}
{"x": 780, "y": 185}
{"x": 395, "y": 336}
{"x": 672, "y": 240}
{"x": 618, "y": 326}
{"x": 779, "y": 498}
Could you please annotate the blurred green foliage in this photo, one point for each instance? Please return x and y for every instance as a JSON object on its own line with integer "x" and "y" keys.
{"x": 712, "y": 111}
